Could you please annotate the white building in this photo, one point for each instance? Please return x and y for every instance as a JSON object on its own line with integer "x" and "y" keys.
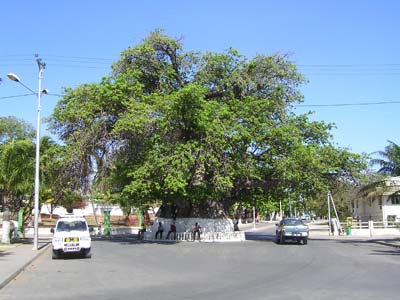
{"x": 381, "y": 202}
{"x": 98, "y": 209}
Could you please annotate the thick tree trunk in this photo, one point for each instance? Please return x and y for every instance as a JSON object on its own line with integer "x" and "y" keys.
{"x": 185, "y": 209}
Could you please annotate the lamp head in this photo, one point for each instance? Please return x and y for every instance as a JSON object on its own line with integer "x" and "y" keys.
{"x": 13, "y": 77}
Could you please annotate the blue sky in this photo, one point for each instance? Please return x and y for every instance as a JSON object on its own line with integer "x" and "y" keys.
{"x": 348, "y": 50}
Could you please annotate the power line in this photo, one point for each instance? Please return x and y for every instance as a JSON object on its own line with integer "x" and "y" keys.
{"x": 307, "y": 66}
{"x": 87, "y": 62}
{"x": 59, "y": 61}
{"x": 15, "y": 96}
{"x": 347, "y": 65}
{"x": 16, "y": 55}
{"x": 296, "y": 105}
{"x": 79, "y": 57}
{"x": 351, "y": 74}
{"x": 80, "y": 66}
{"x": 55, "y": 56}
{"x": 348, "y": 104}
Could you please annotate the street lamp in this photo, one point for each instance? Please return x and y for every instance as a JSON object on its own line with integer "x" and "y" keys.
{"x": 39, "y": 92}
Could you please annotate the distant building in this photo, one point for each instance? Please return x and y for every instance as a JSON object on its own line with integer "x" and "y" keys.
{"x": 379, "y": 201}
{"x": 87, "y": 210}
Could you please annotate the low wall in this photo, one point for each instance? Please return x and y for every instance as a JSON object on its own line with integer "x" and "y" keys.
{"x": 360, "y": 229}
{"x": 375, "y": 232}
{"x": 186, "y": 224}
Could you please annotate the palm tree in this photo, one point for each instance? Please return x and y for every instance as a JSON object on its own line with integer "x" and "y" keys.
{"x": 390, "y": 161}
{"x": 16, "y": 174}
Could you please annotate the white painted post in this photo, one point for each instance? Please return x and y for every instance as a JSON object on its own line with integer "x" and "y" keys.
{"x": 254, "y": 217}
{"x": 371, "y": 227}
{"x": 329, "y": 215}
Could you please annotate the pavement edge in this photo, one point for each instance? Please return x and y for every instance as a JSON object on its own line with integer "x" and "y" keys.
{"x": 23, "y": 267}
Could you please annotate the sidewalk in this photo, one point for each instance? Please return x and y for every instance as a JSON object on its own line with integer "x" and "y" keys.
{"x": 319, "y": 230}
{"x": 14, "y": 258}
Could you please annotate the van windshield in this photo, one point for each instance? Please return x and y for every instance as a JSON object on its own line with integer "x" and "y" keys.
{"x": 71, "y": 226}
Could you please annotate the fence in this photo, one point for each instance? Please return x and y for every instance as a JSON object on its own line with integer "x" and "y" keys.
{"x": 204, "y": 237}
{"x": 211, "y": 236}
{"x": 372, "y": 228}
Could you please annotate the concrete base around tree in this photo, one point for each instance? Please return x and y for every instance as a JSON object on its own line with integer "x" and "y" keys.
{"x": 211, "y": 229}
{"x": 186, "y": 224}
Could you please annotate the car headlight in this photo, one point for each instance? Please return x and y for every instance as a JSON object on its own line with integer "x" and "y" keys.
{"x": 85, "y": 238}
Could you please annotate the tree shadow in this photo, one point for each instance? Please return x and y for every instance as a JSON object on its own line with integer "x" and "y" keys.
{"x": 258, "y": 236}
{"x": 131, "y": 240}
{"x": 392, "y": 252}
{"x": 269, "y": 238}
{"x": 393, "y": 245}
{"x": 387, "y": 242}
{"x": 4, "y": 253}
{"x": 42, "y": 242}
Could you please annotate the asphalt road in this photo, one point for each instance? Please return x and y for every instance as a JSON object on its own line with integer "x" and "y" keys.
{"x": 256, "y": 269}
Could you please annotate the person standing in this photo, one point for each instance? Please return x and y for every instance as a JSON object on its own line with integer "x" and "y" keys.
{"x": 196, "y": 230}
{"x": 236, "y": 226}
{"x": 142, "y": 230}
{"x": 160, "y": 230}
{"x": 172, "y": 229}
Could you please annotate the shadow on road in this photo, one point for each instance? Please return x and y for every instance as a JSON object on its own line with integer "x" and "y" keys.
{"x": 386, "y": 252}
{"x": 131, "y": 240}
{"x": 393, "y": 245}
{"x": 3, "y": 253}
{"x": 259, "y": 236}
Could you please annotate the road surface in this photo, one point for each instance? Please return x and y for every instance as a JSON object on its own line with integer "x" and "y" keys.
{"x": 122, "y": 268}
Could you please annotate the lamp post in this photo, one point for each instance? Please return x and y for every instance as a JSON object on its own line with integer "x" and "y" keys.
{"x": 14, "y": 77}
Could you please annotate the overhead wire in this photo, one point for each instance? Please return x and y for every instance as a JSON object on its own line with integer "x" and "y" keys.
{"x": 58, "y": 60}
{"x": 24, "y": 95}
{"x": 386, "y": 69}
{"x": 295, "y": 105}
{"x": 15, "y": 96}
{"x": 347, "y": 104}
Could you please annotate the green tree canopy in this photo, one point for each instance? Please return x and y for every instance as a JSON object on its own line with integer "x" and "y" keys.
{"x": 17, "y": 167}
{"x": 13, "y": 128}
{"x": 186, "y": 128}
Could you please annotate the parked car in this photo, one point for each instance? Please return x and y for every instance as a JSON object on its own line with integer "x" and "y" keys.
{"x": 71, "y": 236}
{"x": 292, "y": 229}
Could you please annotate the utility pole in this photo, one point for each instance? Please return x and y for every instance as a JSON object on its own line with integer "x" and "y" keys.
{"x": 41, "y": 66}
{"x": 13, "y": 77}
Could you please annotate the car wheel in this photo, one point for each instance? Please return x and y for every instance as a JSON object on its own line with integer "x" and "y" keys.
{"x": 305, "y": 240}
{"x": 277, "y": 240}
{"x": 55, "y": 255}
{"x": 86, "y": 253}
{"x": 282, "y": 239}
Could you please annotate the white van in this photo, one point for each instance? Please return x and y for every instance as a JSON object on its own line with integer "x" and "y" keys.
{"x": 71, "y": 236}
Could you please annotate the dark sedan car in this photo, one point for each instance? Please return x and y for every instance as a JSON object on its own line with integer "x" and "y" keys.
{"x": 292, "y": 229}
